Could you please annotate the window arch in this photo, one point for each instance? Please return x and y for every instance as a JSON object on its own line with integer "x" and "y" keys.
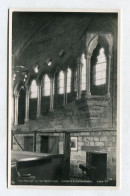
{"x": 46, "y": 85}
{"x": 99, "y": 71}
{"x": 75, "y": 80}
{"x": 83, "y": 75}
{"x": 61, "y": 82}
{"x": 69, "y": 73}
{"x": 33, "y": 89}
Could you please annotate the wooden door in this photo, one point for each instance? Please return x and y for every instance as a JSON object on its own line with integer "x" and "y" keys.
{"x": 44, "y": 144}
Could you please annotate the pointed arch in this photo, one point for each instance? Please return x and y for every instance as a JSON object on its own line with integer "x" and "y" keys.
{"x": 18, "y": 87}
{"x": 98, "y": 73}
{"x": 33, "y": 89}
{"x": 98, "y": 39}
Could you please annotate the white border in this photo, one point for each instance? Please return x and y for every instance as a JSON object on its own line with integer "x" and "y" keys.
{"x": 118, "y": 101}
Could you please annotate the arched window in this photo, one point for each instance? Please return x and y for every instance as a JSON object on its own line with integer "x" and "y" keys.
{"x": 75, "y": 80}
{"x": 33, "y": 89}
{"x": 61, "y": 82}
{"x": 99, "y": 71}
{"x": 68, "y": 80}
{"x": 83, "y": 62}
{"x": 46, "y": 85}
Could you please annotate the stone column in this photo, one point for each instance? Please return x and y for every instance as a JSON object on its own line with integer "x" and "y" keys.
{"x": 79, "y": 77}
{"x": 88, "y": 80}
{"x": 38, "y": 100}
{"x": 27, "y": 105}
{"x": 16, "y": 98}
{"x": 51, "y": 94}
{"x": 67, "y": 152}
{"x": 108, "y": 73}
{"x": 13, "y": 110}
{"x": 65, "y": 87}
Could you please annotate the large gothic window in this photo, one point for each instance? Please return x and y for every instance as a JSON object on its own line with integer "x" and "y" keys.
{"x": 83, "y": 63}
{"x": 33, "y": 89}
{"x": 61, "y": 82}
{"x": 68, "y": 80}
{"x": 98, "y": 71}
{"x": 46, "y": 85}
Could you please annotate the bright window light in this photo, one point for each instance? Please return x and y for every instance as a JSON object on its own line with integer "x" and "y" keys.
{"x": 61, "y": 82}
{"x": 33, "y": 89}
{"x": 100, "y": 69}
{"x": 83, "y": 61}
{"x": 46, "y": 85}
{"x": 68, "y": 80}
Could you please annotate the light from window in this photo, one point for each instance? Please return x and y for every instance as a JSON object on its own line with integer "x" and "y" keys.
{"x": 33, "y": 89}
{"x": 100, "y": 69}
{"x": 68, "y": 80}
{"x": 61, "y": 82}
{"x": 83, "y": 61}
{"x": 75, "y": 81}
{"x": 46, "y": 85}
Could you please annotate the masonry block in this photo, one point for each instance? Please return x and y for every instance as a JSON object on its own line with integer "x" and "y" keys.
{"x": 99, "y": 143}
{"x": 95, "y": 133}
{"x": 103, "y": 139}
{"x": 96, "y": 139}
{"x": 91, "y": 143}
{"x": 108, "y": 143}
{"x": 85, "y": 134}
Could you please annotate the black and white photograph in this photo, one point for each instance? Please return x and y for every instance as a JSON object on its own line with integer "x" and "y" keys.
{"x": 63, "y": 98}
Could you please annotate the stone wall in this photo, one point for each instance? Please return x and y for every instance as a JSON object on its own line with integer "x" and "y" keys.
{"x": 89, "y": 141}
{"x": 95, "y": 141}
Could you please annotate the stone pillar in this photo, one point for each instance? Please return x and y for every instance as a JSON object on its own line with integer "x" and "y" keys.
{"x": 38, "y": 100}
{"x": 67, "y": 150}
{"x": 88, "y": 80}
{"x": 108, "y": 73}
{"x": 13, "y": 110}
{"x": 65, "y": 87}
{"x": 51, "y": 94}
{"x": 79, "y": 77}
{"x": 27, "y": 106}
{"x": 16, "y": 98}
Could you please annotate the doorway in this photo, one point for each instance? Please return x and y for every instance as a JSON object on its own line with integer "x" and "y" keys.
{"x": 21, "y": 106}
{"x": 50, "y": 144}
{"x": 28, "y": 143}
